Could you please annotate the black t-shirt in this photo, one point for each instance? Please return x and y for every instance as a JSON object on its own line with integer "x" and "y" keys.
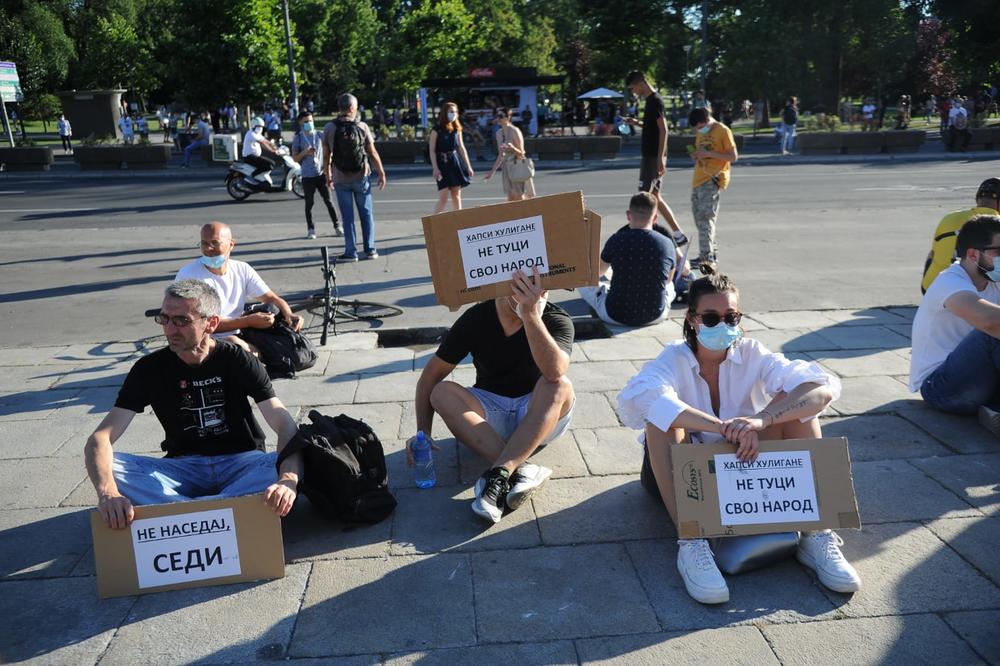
{"x": 203, "y": 409}
{"x": 650, "y": 127}
{"x": 504, "y": 365}
{"x": 642, "y": 260}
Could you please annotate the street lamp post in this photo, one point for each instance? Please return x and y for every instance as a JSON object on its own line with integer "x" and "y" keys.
{"x": 291, "y": 61}
{"x": 687, "y": 67}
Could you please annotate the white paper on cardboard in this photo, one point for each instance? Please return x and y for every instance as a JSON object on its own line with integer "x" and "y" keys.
{"x": 492, "y": 252}
{"x": 186, "y": 547}
{"x": 777, "y": 487}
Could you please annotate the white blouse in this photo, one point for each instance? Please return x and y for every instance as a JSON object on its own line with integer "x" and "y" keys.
{"x": 749, "y": 378}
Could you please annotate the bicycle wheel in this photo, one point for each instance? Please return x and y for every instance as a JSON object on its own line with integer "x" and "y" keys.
{"x": 367, "y": 310}
{"x": 297, "y": 188}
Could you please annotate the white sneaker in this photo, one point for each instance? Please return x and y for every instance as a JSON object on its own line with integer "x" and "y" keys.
{"x": 525, "y": 480}
{"x": 702, "y": 578}
{"x": 990, "y": 419}
{"x": 491, "y": 490}
{"x": 820, "y": 551}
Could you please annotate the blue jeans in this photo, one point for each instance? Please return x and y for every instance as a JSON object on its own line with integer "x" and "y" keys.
{"x": 191, "y": 147}
{"x": 968, "y": 378}
{"x": 788, "y": 138}
{"x": 148, "y": 480}
{"x": 360, "y": 193}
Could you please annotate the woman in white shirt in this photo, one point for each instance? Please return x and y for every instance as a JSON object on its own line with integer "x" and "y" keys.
{"x": 718, "y": 385}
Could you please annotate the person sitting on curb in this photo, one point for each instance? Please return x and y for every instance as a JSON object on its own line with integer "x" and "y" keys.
{"x": 235, "y": 281}
{"x": 198, "y": 388}
{"x": 637, "y": 265}
{"x": 942, "y": 252}
{"x": 522, "y": 399}
{"x": 716, "y": 385}
{"x": 955, "y": 361}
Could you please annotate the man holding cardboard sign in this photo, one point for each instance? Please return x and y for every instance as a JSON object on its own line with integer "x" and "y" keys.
{"x": 715, "y": 385}
{"x": 520, "y": 345}
{"x": 198, "y": 388}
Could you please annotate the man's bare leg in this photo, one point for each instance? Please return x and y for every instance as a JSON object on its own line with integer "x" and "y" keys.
{"x": 550, "y": 401}
{"x": 665, "y": 211}
{"x": 462, "y": 412}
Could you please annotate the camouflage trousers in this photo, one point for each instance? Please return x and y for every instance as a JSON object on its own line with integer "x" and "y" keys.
{"x": 705, "y": 210}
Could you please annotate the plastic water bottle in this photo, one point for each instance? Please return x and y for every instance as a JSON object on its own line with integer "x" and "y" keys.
{"x": 423, "y": 458}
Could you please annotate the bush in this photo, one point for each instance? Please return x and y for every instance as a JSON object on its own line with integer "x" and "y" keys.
{"x": 408, "y": 133}
{"x": 94, "y": 140}
{"x": 829, "y": 123}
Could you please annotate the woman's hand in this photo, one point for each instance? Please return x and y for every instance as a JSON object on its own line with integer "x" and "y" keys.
{"x": 742, "y": 431}
{"x": 437, "y": 174}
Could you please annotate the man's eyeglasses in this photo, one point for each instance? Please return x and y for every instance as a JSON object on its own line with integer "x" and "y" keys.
{"x": 180, "y": 321}
{"x": 712, "y": 319}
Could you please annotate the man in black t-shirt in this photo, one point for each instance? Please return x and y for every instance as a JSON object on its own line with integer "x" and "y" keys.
{"x": 520, "y": 346}
{"x": 198, "y": 388}
{"x": 637, "y": 266}
{"x": 654, "y": 147}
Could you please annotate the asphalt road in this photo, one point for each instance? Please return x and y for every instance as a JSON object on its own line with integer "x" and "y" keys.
{"x": 81, "y": 258}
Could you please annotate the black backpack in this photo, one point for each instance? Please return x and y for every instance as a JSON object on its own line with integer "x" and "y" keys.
{"x": 283, "y": 350}
{"x": 348, "y": 146}
{"x": 345, "y": 475}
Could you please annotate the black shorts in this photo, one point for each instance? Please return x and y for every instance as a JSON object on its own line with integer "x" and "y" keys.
{"x": 649, "y": 179}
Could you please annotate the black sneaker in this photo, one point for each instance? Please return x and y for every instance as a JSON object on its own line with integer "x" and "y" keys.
{"x": 491, "y": 494}
{"x": 680, "y": 239}
{"x": 348, "y": 258}
{"x": 370, "y": 255}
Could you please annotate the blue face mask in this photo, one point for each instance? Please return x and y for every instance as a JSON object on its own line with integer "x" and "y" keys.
{"x": 705, "y": 129}
{"x": 307, "y": 127}
{"x": 213, "y": 262}
{"x": 993, "y": 275}
{"x": 718, "y": 337}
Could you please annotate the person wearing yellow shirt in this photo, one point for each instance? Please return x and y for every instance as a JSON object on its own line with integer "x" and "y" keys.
{"x": 942, "y": 252}
{"x": 713, "y": 154}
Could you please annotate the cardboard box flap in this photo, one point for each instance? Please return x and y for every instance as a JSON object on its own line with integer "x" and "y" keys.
{"x": 188, "y": 544}
{"x": 794, "y": 485}
{"x": 472, "y": 252}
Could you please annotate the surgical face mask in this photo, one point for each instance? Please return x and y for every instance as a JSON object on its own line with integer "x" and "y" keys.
{"x": 992, "y": 274}
{"x": 307, "y": 127}
{"x": 718, "y": 337}
{"x": 452, "y": 116}
{"x": 258, "y": 129}
{"x": 213, "y": 262}
{"x": 705, "y": 129}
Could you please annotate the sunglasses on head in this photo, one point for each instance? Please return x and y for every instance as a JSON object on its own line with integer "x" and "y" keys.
{"x": 711, "y": 319}
{"x": 180, "y": 321}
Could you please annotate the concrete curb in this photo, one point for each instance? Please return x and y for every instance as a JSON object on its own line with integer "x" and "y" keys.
{"x": 629, "y": 162}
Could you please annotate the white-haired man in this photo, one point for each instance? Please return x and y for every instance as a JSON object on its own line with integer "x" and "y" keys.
{"x": 198, "y": 388}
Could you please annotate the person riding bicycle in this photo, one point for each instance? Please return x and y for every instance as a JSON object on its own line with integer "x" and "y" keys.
{"x": 253, "y": 153}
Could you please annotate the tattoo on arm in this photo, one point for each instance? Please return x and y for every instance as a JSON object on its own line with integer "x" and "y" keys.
{"x": 787, "y": 409}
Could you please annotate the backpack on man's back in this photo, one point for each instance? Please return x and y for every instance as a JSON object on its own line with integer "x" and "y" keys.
{"x": 349, "y": 140}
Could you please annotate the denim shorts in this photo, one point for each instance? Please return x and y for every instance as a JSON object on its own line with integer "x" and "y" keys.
{"x": 505, "y": 414}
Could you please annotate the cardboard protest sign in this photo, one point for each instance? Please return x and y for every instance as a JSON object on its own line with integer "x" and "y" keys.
{"x": 188, "y": 544}
{"x": 472, "y": 252}
{"x": 793, "y": 485}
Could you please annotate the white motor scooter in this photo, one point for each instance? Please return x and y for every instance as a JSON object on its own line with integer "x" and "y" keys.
{"x": 240, "y": 183}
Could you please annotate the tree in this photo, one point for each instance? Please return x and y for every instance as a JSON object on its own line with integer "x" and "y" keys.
{"x": 932, "y": 67}
{"x": 340, "y": 41}
{"x": 973, "y": 26}
{"x": 229, "y": 50}
{"x": 434, "y": 40}
{"x": 42, "y": 106}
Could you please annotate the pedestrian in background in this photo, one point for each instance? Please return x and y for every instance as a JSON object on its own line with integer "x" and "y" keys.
{"x": 203, "y": 137}
{"x": 307, "y": 150}
{"x": 449, "y": 160}
{"x": 510, "y": 147}
{"x": 789, "y": 118}
{"x": 714, "y": 153}
{"x": 351, "y": 157}
{"x": 65, "y": 133}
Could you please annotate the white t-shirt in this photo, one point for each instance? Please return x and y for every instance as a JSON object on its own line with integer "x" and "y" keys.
{"x": 936, "y": 332}
{"x": 239, "y": 282}
{"x": 251, "y": 143}
{"x": 868, "y": 110}
{"x": 749, "y": 378}
{"x": 955, "y": 112}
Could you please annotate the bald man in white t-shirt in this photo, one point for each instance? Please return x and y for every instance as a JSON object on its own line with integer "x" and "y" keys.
{"x": 235, "y": 281}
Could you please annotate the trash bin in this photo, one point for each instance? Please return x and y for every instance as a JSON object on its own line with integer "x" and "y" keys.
{"x": 224, "y": 147}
